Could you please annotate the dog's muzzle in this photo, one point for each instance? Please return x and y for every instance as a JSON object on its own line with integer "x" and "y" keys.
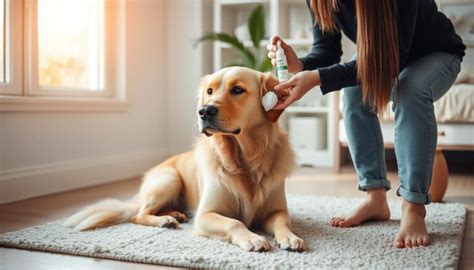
{"x": 209, "y": 124}
{"x": 208, "y": 112}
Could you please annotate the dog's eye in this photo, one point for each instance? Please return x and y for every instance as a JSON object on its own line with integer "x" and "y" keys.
{"x": 209, "y": 91}
{"x": 236, "y": 90}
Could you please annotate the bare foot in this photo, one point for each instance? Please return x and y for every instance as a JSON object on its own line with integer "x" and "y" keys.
{"x": 375, "y": 207}
{"x": 413, "y": 230}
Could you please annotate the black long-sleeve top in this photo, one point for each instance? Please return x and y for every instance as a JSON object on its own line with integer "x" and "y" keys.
{"x": 422, "y": 30}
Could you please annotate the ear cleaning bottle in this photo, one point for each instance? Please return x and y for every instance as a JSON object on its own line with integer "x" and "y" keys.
{"x": 270, "y": 99}
{"x": 282, "y": 65}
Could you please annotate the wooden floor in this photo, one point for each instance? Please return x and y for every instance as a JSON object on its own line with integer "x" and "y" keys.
{"x": 18, "y": 215}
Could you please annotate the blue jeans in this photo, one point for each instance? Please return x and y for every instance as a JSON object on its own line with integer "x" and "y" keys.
{"x": 422, "y": 82}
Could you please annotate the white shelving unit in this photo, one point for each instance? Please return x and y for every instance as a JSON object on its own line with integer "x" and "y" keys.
{"x": 291, "y": 20}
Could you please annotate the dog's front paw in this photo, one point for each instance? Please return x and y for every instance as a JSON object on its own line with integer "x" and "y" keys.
{"x": 290, "y": 242}
{"x": 252, "y": 242}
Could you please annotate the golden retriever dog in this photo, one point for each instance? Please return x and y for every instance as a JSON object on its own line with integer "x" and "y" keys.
{"x": 232, "y": 181}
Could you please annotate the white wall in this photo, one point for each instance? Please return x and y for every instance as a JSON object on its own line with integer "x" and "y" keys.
{"x": 186, "y": 21}
{"x": 45, "y": 152}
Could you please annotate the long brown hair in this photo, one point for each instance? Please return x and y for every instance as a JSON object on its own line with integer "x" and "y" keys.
{"x": 378, "y": 56}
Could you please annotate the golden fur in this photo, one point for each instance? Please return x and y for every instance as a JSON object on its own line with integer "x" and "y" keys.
{"x": 233, "y": 180}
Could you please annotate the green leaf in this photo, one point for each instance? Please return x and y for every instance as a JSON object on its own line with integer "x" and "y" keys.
{"x": 249, "y": 57}
{"x": 265, "y": 65}
{"x": 256, "y": 24}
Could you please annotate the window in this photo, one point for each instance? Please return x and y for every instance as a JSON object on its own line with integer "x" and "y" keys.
{"x": 71, "y": 45}
{"x": 72, "y": 51}
{"x": 10, "y": 53}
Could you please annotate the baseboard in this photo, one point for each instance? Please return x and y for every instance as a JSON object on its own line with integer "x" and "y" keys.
{"x": 36, "y": 181}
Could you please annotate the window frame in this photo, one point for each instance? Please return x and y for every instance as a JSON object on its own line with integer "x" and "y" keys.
{"x": 27, "y": 95}
{"x": 13, "y": 49}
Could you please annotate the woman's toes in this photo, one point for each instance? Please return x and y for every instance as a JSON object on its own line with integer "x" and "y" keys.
{"x": 335, "y": 221}
{"x": 408, "y": 242}
{"x": 399, "y": 243}
{"x": 414, "y": 242}
{"x": 420, "y": 241}
{"x": 345, "y": 223}
{"x": 342, "y": 223}
{"x": 426, "y": 241}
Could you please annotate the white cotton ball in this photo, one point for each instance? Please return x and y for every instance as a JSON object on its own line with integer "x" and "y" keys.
{"x": 269, "y": 100}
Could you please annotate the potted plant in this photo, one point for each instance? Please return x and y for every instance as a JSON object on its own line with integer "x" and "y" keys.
{"x": 254, "y": 58}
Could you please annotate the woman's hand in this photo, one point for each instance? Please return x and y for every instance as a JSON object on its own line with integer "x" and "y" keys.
{"x": 294, "y": 64}
{"x": 292, "y": 90}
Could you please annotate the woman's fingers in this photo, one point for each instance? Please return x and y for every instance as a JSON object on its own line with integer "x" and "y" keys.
{"x": 292, "y": 90}
{"x": 283, "y": 94}
{"x": 284, "y": 85}
{"x": 285, "y": 46}
{"x": 274, "y": 40}
{"x": 272, "y": 56}
{"x": 287, "y": 92}
{"x": 271, "y": 47}
{"x": 273, "y": 44}
{"x": 283, "y": 99}
{"x": 291, "y": 98}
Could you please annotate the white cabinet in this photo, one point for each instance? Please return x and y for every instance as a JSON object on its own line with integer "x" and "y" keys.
{"x": 291, "y": 20}
{"x": 313, "y": 137}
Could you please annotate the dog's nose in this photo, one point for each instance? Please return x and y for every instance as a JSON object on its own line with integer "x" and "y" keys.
{"x": 207, "y": 111}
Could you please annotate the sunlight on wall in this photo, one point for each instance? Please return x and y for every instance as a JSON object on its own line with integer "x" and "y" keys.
{"x": 71, "y": 44}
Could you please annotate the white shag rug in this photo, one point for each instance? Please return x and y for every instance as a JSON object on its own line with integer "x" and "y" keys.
{"x": 366, "y": 246}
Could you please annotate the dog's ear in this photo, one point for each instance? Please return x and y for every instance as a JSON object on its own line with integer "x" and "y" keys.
{"x": 267, "y": 83}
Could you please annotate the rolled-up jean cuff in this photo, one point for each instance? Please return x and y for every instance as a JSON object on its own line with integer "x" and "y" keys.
{"x": 414, "y": 197}
{"x": 366, "y": 184}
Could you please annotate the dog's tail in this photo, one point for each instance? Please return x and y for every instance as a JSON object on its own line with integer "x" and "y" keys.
{"x": 102, "y": 214}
